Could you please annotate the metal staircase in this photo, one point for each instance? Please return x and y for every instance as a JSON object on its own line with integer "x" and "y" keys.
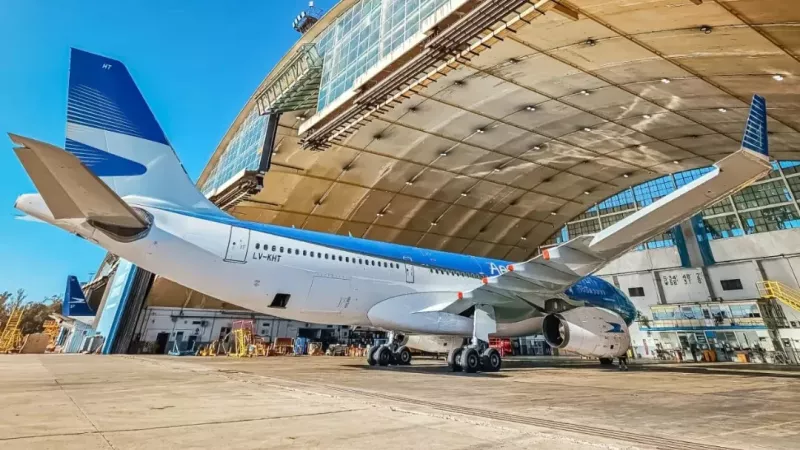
{"x": 11, "y": 339}
{"x": 781, "y": 292}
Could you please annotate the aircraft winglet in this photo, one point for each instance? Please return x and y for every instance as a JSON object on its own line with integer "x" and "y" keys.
{"x": 755, "y": 131}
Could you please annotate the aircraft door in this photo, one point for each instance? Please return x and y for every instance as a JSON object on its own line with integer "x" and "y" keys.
{"x": 238, "y": 242}
{"x": 409, "y": 269}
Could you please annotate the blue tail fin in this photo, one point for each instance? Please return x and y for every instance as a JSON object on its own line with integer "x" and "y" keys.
{"x": 74, "y": 300}
{"x": 114, "y": 133}
{"x": 755, "y": 132}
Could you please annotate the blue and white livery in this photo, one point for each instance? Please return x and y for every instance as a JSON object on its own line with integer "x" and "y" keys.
{"x": 119, "y": 183}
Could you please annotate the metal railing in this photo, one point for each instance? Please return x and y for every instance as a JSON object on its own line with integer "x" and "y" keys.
{"x": 779, "y": 291}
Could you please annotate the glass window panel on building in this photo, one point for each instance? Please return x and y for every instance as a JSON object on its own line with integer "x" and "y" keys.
{"x": 367, "y": 32}
{"x": 686, "y": 177}
{"x": 620, "y": 202}
{"x": 650, "y": 191}
{"x": 794, "y": 185}
{"x": 770, "y": 219}
{"x": 243, "y": 152}
{"x": 721, "y": 207}
{"x": 790, "y": 167}
{"x": 763, "y": 194}
{"x": 722, "y": 227}
{"x": 607, "y": 221}
{"x": 576, "y": 229}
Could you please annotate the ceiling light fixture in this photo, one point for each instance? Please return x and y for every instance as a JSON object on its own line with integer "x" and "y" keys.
{"x": 463, "y": 194}
{"x": 707, "y": 29}
{"x": 480, "y": 131}
{"x": 584, "y": 92}
{"x": 676, "y": 162}
{"x": 625, "y": 175}
{"x": 647, "y": 116}
{"x": 666, "y": 80}
{"x": 722, "y": 110}
{"x": 587, "y": 129}
{"x": 496, "y": 169}
{"x": 443, "y": 154}
{"x": 379, "y": 214}
{"x": 777, "y": 77}
{"x": 586, "y": 192}
{"x": 536, "y": 147}
{"x": 552, "y": 213}
{"x": 409, "y": 183}
{"x": 433, "y": 224}
{"x": 301, "y": 117}
{"x": 523, "y": 238}
{"x": 530, "y": 108}
{"x": 591, "y": 42}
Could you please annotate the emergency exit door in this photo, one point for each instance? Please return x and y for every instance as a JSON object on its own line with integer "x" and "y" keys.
{"x": 409, "y": 269}
{"x": 238, "y": 242}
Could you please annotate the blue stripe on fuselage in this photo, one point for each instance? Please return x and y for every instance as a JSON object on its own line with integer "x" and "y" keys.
{"x": 592, "y": 290}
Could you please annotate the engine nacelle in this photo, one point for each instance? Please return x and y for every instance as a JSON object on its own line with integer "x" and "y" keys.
{"x": 587, "y": 331}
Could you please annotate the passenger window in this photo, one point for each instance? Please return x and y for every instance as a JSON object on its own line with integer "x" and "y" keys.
{"x": 373, "y": 262}
{"x": 312, "y": 254}
{"x": 360, "y": 261}
{"x": 340, "y": 258}
{"x": 326, "y": 256}
{"x": 304, "y": 253}
{"x": 385, "y": 264}
{"x": 319, "y": 255}
{"x": 296, "y": 251}
{"x": 257, "y": 245}
{"x": 347, "y": 259}
{"x": 281, "y": 249}
{"x": 273, "y": 248}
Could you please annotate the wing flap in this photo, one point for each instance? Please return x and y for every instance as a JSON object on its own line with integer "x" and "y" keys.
{"x": 70, "y": 190}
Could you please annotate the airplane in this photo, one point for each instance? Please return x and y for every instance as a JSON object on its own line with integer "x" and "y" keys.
{"x": 119, "y": 184}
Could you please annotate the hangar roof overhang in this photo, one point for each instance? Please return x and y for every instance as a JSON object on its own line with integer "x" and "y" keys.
{"x": 496, "y": 147}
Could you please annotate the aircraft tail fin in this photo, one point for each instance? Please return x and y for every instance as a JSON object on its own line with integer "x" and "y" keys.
{"x": 75, "y": 303}
{"x": 71, "y": 191}
{"x": 113, "y": 132}
{"x": 755, "y": 131}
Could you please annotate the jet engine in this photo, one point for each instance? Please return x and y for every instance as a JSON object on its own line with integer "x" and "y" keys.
{"x": 587, "y": 331}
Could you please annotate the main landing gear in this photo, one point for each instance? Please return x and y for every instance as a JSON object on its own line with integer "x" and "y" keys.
{"x": 478, "y": 355}
{"x": 392, "y": 353}
{"x": 474, "y": 358}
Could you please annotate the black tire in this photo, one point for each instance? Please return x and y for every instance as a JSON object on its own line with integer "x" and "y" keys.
{"x": 606, "y": 361}
{"x": 470, "y": 361}
{"x": 371, "y": 355}
{"x": 491, "y": 360}
{"x": 454, "y": 359}
{"x": 403, "y": 356}
{"x": 383, "y": 356}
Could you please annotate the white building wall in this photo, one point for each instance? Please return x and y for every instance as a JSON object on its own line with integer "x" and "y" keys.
{"x": 747, "y": 272}
{"x": 209, "y": 325}
{"x": 684, "y": 286}
{"x": 644, "y": 281}
{"x": 760, "y": 245}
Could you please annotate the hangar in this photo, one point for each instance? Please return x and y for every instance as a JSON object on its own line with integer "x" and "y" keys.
{"x": 497, "y": 127}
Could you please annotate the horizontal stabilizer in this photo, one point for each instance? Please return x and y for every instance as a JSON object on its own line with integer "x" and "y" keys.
{"x": 70, "y": 190}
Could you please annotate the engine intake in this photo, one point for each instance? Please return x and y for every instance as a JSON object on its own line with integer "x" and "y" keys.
{"x": 595, "y": 332}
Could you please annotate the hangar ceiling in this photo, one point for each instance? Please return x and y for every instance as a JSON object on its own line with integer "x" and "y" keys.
{"x": 497, "y": 155}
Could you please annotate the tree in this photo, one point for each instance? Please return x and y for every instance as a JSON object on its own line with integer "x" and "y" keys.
{"x": 5, "y": 308}
{"x": 36, "y": 313}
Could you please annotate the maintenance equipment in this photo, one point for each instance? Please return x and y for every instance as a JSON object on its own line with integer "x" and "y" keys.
{"x": 11, "y": 339}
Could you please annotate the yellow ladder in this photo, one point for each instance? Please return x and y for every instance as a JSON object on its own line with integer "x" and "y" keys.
{"x": 780, "y": 292}
{"x": 11, "y": 339}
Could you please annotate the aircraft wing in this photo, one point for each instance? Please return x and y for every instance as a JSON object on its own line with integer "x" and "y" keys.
{"x": 558, "y": 268}
{"x": 70, "y": 190}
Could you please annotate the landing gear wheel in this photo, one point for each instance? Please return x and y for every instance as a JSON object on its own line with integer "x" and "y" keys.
{"x": 371, "y": 355}
{"x": 403, "y": 356}
{"x": 383, "y": 355}
{"x": 491, "y": 360}
{"x": 470, "y": 361}
{"x": 454, "y": 359}
{"x": 606, "y": 361}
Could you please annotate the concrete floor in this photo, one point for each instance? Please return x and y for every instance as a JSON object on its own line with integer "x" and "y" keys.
{"x": 132, "y": 402}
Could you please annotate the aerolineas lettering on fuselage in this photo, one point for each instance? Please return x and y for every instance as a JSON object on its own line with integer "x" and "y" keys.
{"x": 496, "y": 269}
{"x": 270, "y": 257}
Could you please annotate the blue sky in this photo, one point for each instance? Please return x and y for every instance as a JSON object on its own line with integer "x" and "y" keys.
{"x": 196, "y": 63}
